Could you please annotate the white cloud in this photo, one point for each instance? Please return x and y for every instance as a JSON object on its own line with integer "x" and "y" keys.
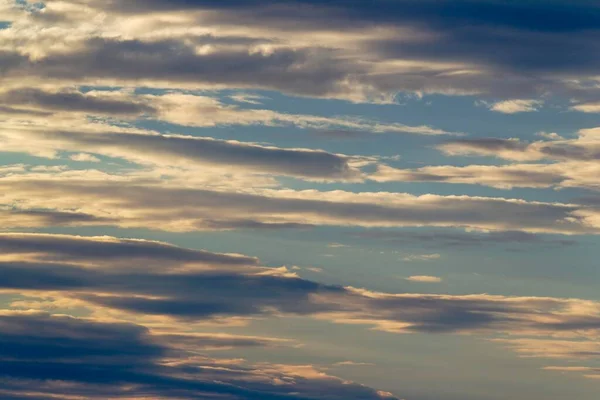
{"x": 592, "y": 107}
{"x": 424, "y": 279}
{"x": 145, "y": 201}
{"x": 84, "y": 157}
{"x": 421, "y": 257}
{"x": 516, "y": 106}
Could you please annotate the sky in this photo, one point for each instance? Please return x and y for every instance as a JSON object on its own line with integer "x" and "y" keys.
{"x": 299, "y": 200}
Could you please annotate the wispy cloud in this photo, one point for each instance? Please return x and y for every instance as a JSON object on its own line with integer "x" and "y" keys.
{"x": 515, "y": 106}
{"x": 421, "y": 257}
{"x": 424, "y": 279}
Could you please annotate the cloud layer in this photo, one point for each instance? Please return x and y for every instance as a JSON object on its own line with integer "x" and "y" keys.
{"x": 137, "y": 201}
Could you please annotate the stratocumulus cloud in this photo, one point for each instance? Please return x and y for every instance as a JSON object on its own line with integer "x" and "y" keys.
{"x": 253, "y": 290}
{"x": 68, "y": 356}
{"x": 429, "y": 36}
{"x": 310, "y": 200}
{"x": 150, "y": 205}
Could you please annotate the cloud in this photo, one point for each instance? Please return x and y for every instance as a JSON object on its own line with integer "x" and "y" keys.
{"x": 352, "y": 364}
{"x": 567, "y": 369}
{"x": 421, "y": 257}
{"x": 197, "y": 291}
{"x": 59, "y": 356}
{"x": 586, "y": 147}
{"x": 553, "y": 348}
{"x": 84, "y": 157}
{"x": 48, "y": 124}
{"x": 18, "y": 218}
{"x": 142, "y": 202}
{"x": 336, "y": 245}
{"x": 106, "y": 250}
{"x": 247, "y": 98}
{"x": 174, "y": 106}
{"x": 574, "y": 163}
{"x": 227, "y": 154}
{"x": 65, "y": 100}
{"x": 515, "y": 106}
{"x": 588, "y": 372}
{"x": 189, "y": 152}
{"x": 178, "y": 108}
{"x": 80, "y": 78}
{"x": 437, "y": 238}
{"x": 164, "y": 354}
{"x": 424, "y": 279}
{"x": 362, "y": 54}
{"x": 591, "y": 107}
{"x": 500, "y": 177}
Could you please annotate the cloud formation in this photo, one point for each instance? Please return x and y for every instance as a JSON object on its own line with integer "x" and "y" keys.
{"x": 47, "y": 356}
{"x": 141, "y": 202}
{"x": 162, "y": 354}
{"x": 198, "y": 290}
{"x": 424, "y": 279}
{"x": 497, "y": 49}
{"x": 515, "y": 106}
{"x": 559, "y": 163}
{"x": 141, "y": 100}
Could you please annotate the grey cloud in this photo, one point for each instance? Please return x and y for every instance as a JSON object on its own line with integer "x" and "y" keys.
{"x": 314, "y": 164}
{"x": 462, "y": 239}
{"x": 302, "y": 71}
{"x": 99, "y": 360}
{"x": 152, "y": 206}
{"x": 102, "y": 249}
{"x": 73, "y": 101}
{"x": 503, "y": 177}
{"x": 556, "y": 16}
{"x": 513, "y": 47}
{"x": 193, "y": 294}
{"x": 52, "y": 218}
{"x": 254, "y": 225}
{"x": 24, "y": 111}
{"x": 562, "y": 150}
{"x": 10, "y": 60}
{"x": 490, "y": 144}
